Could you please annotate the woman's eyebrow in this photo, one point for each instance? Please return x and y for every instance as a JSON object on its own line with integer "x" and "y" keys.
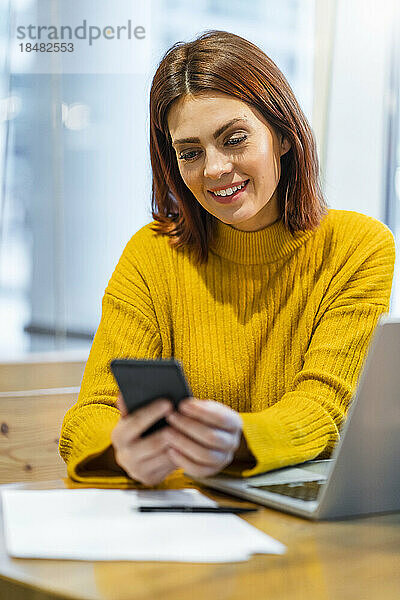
{"x": 217, "y": 133}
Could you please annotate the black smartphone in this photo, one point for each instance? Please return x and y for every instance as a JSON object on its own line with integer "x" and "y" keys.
{"x": 142, "y": 381}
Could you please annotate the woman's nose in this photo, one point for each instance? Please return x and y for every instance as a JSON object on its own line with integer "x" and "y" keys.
{"x": 216, "y": 164}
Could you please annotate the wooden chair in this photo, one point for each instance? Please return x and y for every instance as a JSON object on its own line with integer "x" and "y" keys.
{"x": 43, "y": 371}
{"x": 35, "y": 394}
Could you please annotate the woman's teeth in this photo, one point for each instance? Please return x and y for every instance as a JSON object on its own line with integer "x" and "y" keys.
{"x": 230, "y": 191}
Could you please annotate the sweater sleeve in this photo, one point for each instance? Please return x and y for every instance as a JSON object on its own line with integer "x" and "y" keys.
{"x": 128, "y": 329}
{"x": 305, "y": 423}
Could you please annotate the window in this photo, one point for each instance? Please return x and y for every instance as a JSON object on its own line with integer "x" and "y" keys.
{"x": 77, "y": 168}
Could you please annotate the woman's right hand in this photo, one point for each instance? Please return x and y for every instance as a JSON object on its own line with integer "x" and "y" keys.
{"x": 144, "y": 459}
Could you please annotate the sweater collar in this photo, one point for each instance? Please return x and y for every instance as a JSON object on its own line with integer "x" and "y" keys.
{"x": 255, "y": 247}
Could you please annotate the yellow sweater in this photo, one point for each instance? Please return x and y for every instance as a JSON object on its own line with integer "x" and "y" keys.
{"x": 273, "y": 325}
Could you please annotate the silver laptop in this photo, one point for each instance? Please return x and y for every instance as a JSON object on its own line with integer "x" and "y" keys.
{"x": 363, "y": 476}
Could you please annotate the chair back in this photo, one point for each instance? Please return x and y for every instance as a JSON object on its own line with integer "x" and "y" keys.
{"x": 41, "y": 371}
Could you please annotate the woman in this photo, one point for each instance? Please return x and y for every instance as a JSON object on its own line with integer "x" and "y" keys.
{"x": 268, "y": 298}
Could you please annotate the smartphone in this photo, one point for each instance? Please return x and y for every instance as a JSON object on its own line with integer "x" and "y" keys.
{"x": 142, "y": 381}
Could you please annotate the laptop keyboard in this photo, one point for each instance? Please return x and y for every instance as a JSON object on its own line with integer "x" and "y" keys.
{"x": 307, "y": 490}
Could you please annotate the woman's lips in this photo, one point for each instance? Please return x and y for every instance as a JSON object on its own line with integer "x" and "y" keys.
{"x": 229, "y": 199}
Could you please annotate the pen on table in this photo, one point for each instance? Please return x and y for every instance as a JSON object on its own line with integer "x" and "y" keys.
{"x": 197, "y": 509}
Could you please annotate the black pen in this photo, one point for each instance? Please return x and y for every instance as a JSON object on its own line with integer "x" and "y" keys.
{"x": 197, "y": 509}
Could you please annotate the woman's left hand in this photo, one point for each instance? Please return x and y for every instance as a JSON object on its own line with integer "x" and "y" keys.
{"x": 204, "y": 437}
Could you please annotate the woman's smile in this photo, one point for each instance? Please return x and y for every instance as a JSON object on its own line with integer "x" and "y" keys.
{"x": 229, "y": 193}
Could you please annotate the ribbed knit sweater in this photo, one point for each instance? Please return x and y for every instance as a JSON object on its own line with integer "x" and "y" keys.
{"x": 274, "y": 325}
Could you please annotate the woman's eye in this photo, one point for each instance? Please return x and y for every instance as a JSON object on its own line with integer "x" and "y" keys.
{"x": 237, "y": 140}
{"x": 188, "y": 155}
{"x": 192, "y": 154}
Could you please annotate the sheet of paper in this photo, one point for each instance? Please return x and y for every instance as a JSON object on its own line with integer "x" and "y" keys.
{"x": 286, "y": 475}
{"x": 186, "y": 497}
{"x": 95, "y": 524}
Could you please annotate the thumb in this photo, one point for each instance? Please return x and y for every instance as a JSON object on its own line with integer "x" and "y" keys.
{"x": 120, "y": 404}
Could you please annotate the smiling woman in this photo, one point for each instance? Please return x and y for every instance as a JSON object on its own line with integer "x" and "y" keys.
{"x": 267, "y": 298}
{"x": 233, "y": 171}
{"x": 223, "y": 91}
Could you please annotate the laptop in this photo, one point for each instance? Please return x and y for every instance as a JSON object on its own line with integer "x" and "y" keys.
{"x": 363, "y": 475}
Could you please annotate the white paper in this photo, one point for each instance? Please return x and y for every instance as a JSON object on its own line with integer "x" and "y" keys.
{"x": 185, "y": 497}
{"x": 93, "y": 524}
{"x": 286, "y": 475}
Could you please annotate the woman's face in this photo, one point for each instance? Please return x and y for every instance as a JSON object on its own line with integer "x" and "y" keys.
{"x": 220, "y": 143}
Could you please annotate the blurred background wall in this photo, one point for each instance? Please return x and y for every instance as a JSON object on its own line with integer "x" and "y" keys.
{"x": 74, "y": 160}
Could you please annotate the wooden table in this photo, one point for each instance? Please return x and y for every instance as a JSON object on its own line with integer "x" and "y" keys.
{"x": 344, "y": 560}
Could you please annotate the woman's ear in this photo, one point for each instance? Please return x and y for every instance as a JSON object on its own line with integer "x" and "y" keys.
{"x": 285, "y": 145}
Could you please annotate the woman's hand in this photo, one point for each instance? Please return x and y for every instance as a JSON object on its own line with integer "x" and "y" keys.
{"x": 144, "y": 459}
{"x": 204, "y": 436}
